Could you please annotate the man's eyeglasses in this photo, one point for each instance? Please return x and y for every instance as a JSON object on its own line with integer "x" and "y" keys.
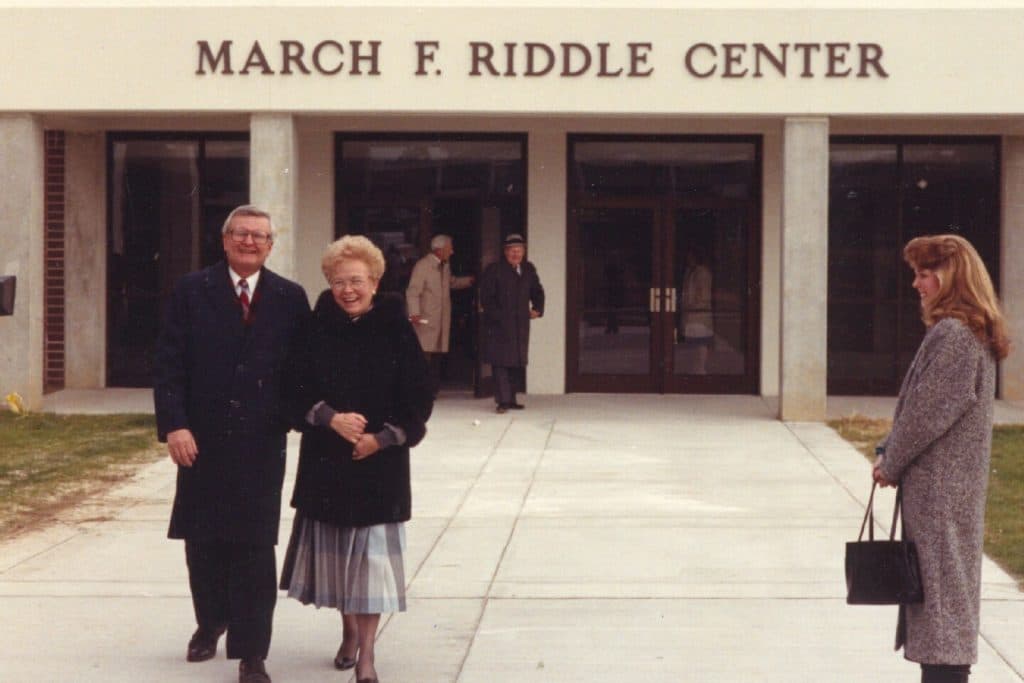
{"x": 258, "y": 238}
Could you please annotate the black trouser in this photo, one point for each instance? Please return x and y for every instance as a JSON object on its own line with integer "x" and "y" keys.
{"x": 945, "y": 673}
{"x": 434, "y": 366}
{"x": 234, "y": 585}
{"x": 504, "y": 384}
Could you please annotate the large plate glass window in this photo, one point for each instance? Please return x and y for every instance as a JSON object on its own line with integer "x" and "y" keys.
{"x": 882, "y": 193}
{"x": 168, "y": 195}
{"x": 401, "y": 189}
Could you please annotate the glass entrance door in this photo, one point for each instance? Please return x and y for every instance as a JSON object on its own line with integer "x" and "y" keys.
{"x": 711, "y": 339}
{"x": 616, "y": 332}
{"x": 664, "y": 295}
{"x": 664, "y": 263}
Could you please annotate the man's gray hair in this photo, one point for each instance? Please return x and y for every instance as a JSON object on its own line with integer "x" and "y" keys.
{"x": 440, "y": 242}
{"x": 247, "y": 210}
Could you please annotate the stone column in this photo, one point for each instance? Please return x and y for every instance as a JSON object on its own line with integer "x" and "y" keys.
{"x": 771, "y": 259}
{"x": 273, "y": 178}
{"x": 85, "y": 267}
{"x": 1011, "y": 285}
{"x": 21, "y": 254}
{"x": 803, "y": 352}
{"x": 546, "y": 216}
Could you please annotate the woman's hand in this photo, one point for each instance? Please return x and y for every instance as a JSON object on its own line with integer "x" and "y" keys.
{"x": 349, "y": 425}
{"x": 876, "y": 475}
{"x": 365, "y": 447}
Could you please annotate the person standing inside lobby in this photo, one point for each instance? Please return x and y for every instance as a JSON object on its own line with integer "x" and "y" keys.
{"x": 429, "y": 302}
{"x": 510, "y": 296}
{"x": 696, "y": 311}
{"x": 226, "y": 333}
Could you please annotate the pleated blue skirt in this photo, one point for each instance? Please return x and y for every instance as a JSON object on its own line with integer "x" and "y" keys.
{"x": 359, "y": 570}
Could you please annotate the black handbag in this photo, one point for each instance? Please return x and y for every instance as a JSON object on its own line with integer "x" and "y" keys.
{"x": 882, "y": 572}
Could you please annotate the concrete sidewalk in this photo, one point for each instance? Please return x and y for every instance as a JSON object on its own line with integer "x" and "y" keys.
{"x": 587, "y": 538}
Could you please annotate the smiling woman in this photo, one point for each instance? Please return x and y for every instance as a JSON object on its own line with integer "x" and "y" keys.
{"x": 358, "y": 385}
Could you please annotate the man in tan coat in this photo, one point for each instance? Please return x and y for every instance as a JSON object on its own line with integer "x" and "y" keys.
{"x": 428, "y": 298}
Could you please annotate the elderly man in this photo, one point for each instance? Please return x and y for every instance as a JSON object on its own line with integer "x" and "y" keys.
{"x": 225, "y": 335}
{"x": 511, "y": 296}
{"x": 428, "y": 300}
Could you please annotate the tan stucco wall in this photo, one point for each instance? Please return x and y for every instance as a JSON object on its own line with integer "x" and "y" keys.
{"x": 1012, "y": 266}
{"x": 315, "y": 212}
{"x": 927, "y": 53}
{"x": 21, "y": 254}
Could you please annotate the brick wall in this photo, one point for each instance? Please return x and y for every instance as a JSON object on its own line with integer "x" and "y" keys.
{"x": 53, "y": 324}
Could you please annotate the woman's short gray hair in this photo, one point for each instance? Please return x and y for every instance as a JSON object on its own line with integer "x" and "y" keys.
{"x": 354, "y": 247}
{"x": 247, "y": 210}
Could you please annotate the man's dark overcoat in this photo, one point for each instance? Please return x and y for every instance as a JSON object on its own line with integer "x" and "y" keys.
{"x": 506, "y": 298}
{"x": 373, "y": 366}
{"x": 220, "y": 378}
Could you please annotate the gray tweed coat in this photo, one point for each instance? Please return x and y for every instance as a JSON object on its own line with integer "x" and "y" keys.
{"x": 939, "y": 449}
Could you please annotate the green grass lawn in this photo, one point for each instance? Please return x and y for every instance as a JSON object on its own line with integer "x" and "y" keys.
{"x": 1004, "y": 514}
{"x": 52, "y": 462}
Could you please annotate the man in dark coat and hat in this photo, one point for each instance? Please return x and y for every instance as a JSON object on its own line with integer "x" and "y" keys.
{"x": 225, "y": 335}
{"x": 511, "y": 296}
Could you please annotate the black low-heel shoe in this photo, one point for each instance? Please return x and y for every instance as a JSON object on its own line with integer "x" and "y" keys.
{"x": 203, "y": 644}
{"x": 343, "y": 663}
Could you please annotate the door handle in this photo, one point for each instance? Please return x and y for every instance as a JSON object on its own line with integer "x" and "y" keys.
{"x": 655, "y": 304}
{"x": 670, "y": 299}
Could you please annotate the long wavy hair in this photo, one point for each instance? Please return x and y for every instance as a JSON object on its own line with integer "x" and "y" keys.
{"x": 965, "y": 288}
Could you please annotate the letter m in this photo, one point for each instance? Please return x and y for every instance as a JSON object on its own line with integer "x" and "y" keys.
{"x": 206, "y": 56}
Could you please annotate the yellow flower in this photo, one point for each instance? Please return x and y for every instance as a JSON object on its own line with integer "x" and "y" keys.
{"x": 15, "y": 403}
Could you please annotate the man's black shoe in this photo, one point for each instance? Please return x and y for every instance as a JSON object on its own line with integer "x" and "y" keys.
{"x": 516, "y": 406}
{"x": 203, "y": 644}
{"x": 501, "y": 409}
{"x": 251, "y": 670}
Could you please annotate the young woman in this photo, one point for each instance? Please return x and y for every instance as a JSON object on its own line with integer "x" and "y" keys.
{"x": 939, "y": 451}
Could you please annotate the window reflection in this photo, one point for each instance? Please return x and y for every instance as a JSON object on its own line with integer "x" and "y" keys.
{"x": 169, "y": 196}
{"x": 615, "y": 325}
{"x": 882, "y": 193}
{"x": 663, "y": 232}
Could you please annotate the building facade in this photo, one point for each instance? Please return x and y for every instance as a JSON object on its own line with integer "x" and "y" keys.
{"x": 715, "y": 199}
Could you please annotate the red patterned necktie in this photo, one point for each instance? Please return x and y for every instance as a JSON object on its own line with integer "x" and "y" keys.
{"x": 243, "y": 298}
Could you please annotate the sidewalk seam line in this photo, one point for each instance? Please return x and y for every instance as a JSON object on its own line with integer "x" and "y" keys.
{"x": 465, "y": 496}
{"x": 881, "y": 525}
{"x": 508, "y": 540}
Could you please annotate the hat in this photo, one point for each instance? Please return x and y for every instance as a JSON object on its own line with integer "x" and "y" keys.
{"x": 514, "y": 238}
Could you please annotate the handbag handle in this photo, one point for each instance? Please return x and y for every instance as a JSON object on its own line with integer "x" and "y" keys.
{"x": 897, "y": 510}
{"x": 869, "y": 513}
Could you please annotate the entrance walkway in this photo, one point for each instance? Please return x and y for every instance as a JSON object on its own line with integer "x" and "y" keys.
{"x": 588, "y": 538}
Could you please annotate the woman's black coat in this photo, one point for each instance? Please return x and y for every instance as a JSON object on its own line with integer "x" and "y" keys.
{"x": 373, "y": 366}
